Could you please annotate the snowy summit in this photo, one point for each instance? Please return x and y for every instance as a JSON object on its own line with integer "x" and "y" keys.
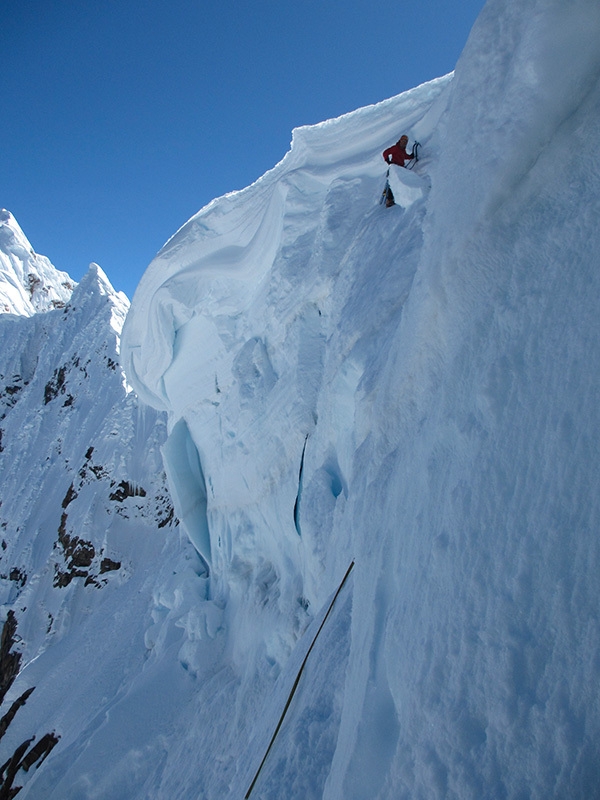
{"x": 378, "y": 577}
{"x": 28, "y": 282}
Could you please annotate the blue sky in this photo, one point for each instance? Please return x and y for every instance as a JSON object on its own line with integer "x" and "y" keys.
{"x": 122, "y": 118}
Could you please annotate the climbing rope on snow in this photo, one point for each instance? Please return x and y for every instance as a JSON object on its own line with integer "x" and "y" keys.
{"x": 297, "y": 681}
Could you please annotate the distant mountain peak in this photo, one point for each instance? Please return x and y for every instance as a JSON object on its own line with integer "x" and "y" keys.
{"x": 96, "y": 288}
{"x": 29, "y": 283}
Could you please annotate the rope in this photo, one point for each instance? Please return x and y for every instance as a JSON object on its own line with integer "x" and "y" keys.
{"x": 297, "y": 681}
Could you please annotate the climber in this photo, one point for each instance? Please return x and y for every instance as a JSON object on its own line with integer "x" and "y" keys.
{"x": 396, "y": 154}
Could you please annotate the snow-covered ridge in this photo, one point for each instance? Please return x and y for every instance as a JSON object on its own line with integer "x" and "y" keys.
{"x": 28, "y": 282}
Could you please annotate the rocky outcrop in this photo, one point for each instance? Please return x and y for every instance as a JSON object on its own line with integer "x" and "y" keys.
{"x": 10, "y": 660}
{"x": 24, "y": 757}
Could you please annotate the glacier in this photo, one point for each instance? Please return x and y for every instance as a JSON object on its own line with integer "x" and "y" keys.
{"x": 318, "y": 382}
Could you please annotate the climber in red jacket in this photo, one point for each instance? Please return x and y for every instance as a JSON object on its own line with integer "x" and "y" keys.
{"x": 396, "y": 154}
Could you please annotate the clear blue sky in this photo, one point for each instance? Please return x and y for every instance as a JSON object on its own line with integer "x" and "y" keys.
{"x": 122, "y": 118}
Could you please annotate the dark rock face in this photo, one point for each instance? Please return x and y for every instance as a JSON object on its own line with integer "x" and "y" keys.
{"x": 126, "y": 489}
{"x": 108, "y": 565}
{"x": 56, "y": 385}
{"x": 9, "y": 661}
{"x": 10, "y": 714}
{"x": 78, "y": 554}
{"x": 24, "y": 756}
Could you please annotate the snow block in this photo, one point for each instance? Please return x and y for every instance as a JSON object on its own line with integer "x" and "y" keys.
{"x": 407, "y": 186}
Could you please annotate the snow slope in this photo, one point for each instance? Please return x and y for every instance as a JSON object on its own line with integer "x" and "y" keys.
{"x": 85, "y": 520}
{"x": 329, "y": 381}
{"x": 415, "y": 388}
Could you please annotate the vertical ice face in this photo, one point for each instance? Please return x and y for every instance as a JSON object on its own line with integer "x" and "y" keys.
{"x": 230, "y": 330}
{"x": 413, "y": 388}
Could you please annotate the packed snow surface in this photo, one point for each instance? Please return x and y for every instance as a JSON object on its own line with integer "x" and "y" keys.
{"x": 410, "y": 389}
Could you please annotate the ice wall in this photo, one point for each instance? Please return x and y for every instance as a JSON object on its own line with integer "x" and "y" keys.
{"x": 413, "y": 388}
{"x": 230, "y": 329}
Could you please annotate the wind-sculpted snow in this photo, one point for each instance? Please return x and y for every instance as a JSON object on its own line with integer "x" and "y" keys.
{"x": 215, "y": 266}
{"x": 231, "y": 323}
{"x": 410, "y": 389}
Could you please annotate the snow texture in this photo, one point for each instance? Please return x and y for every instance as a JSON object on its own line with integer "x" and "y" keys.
{"x": 414, "y": 389}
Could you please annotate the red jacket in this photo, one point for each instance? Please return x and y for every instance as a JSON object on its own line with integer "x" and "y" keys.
{"x": 398, "y": 155}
